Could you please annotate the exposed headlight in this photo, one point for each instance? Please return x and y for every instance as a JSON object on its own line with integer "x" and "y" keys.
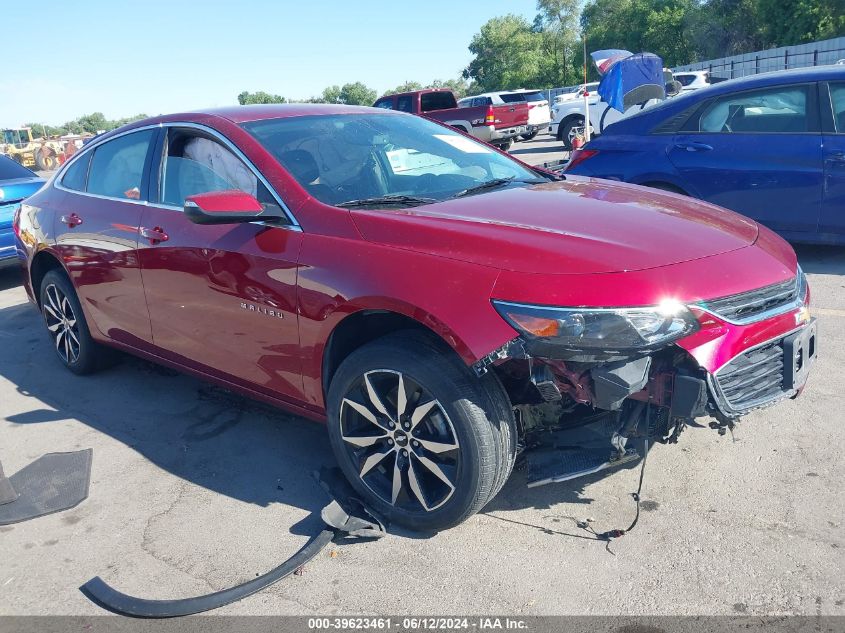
{"x": 605, "y": 329}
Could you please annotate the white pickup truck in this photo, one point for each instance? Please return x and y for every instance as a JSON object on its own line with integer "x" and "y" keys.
{"x": 568, "y": 117}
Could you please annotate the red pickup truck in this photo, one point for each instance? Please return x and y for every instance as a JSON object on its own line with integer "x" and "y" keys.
{"x": 498, "y": 125}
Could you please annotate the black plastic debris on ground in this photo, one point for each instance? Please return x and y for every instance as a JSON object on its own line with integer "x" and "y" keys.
{"x": 52, "y": 483}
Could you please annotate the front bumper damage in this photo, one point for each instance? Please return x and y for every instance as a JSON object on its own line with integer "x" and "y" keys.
{"x": 576, "y": 418}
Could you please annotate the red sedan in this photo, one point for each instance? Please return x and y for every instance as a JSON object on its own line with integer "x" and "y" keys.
{"x": 437, "y": 302}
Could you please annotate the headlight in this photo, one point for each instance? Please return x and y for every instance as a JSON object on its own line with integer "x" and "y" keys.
{"x": 605, "y": 329}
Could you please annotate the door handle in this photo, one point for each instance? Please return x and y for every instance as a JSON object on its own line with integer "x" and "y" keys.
{"x": 155, "y": 235}
{"x": 836, "y": 157}
{"x": 694, "y": 146}
{"x": 71, "y": 220}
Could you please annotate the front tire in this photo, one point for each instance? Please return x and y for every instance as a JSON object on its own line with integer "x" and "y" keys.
{"x": 567, "y": 131}
{"x": 67, "y": 326}
{"x": 424, "y": 441}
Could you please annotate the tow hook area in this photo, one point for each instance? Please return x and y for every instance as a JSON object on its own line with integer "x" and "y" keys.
{"x": 344, "y": 517}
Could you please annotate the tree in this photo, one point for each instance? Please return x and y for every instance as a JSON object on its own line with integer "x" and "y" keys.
{"x": 408, "y": 86}
{"x": 357, "y": 94}
{"x": 508, "y": 54}
{"x": 800, "y": 21}
{"x": 350, "y": 94}
{"x": 663, "y": 27}
{"x": 246, "y": 98}
{"x": 727, "y": 27}
{"x": 458, "y": 86}
{"x": 557, "y": 22}
{"x": 331, "y": 95}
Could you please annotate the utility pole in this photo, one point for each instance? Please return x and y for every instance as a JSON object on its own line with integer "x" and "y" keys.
{"x": 586, "y": 95}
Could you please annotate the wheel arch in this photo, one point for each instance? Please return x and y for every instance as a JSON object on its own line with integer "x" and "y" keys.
{"x": 43, "y": 262}
{"x": 357, "y": 328}
{"x": 569, "y": 117}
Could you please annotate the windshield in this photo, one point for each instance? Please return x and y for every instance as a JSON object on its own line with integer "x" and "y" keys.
{"x": 346, "y": 158}
{"x": 10, "y": 170}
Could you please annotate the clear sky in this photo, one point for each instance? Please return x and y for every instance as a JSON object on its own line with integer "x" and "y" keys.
{"x": 125, "y": 57}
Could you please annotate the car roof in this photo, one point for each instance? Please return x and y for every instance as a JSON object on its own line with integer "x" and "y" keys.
{"x": 246, "y": 113}
{"x": 776, "y": 78}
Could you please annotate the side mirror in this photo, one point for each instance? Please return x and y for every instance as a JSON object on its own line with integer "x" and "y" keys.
{"x": 227, "y": 207}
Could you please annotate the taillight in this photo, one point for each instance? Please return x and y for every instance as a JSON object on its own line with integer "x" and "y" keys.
{"x": 16, "y": 222}
{"x": 490, "y": 119}
{"x": 579, "y": 156}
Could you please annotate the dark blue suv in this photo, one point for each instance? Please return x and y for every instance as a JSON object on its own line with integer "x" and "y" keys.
{"x": 16, "y": 183}
{"x": 770, "y": 146}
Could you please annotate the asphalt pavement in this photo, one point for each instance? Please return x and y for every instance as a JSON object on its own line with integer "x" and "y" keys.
{"x": 195, "y": 489}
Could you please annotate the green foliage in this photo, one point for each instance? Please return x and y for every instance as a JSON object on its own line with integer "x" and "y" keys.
{"x": 800, "y": 21}
{"x": 246, "y": 98}
{"x": 557, "y": 22}
{"x": 664, "y": 27}
{"x": 86, "y": 124}
{"x": 408, "y": 86}
{"x": 683, "y": 31}
{"x": 350, "y": 94}
{"x": 508, "y": 54}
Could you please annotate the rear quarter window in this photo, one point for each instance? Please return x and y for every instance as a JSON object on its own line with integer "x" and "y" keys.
{"x": 77, "y": 173}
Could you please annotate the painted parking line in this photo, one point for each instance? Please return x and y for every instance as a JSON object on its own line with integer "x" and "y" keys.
{"x": 827, "y": 312}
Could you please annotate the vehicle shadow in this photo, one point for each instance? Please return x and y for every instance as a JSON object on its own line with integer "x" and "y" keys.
{"x": 818, "y": 259}
{"x": 194, "y": 430}
{"x": 201, "y": 433}
{"x": 10, "y": 276}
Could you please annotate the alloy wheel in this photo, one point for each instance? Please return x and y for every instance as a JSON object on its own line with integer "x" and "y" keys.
{"x": 62, "y": 324}
{"x": 401, "y": 441}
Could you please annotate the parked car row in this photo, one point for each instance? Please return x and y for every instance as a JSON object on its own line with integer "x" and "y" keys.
{"x": 16, "y": 184}
{"x": 498, "y": 118}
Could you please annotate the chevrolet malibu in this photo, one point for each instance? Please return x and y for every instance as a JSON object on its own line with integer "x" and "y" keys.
{"x": 437, "y": 303}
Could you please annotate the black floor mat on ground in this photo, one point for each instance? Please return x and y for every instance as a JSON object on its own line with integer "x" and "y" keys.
{"x": 52, "y": 483}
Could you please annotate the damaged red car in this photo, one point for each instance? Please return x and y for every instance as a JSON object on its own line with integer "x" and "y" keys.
{"x": 444, "y": 307}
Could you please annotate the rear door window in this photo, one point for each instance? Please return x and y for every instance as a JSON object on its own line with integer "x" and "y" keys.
{"x": 773, "y": 111}
{"x": 516, "y": 97}
{"x": 117, "y": 167}
{"x": 404, "y": 104}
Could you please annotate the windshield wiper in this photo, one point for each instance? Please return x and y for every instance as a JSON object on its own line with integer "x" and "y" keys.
{"x": 386, "y": 200}
{"x": 498, "y": 182}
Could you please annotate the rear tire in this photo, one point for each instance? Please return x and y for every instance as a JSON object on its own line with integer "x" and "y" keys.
{"x": 445, "y": 456}
{"x": 505, "y": 147}
{"x": 67, "y": 326}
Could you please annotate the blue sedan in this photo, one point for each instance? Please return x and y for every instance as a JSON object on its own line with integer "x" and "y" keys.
{"x": 770, "y": 146}
{"x": 16, "y": 183}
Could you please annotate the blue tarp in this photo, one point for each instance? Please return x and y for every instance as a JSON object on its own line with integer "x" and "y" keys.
{"x": 629, "y": 80}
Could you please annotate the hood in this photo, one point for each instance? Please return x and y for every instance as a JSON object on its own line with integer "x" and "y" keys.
{"x": 577, "y": 226}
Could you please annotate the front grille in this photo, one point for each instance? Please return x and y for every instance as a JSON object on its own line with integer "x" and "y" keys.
{"x": 746, "y": 306}
{"x": 754, "y": 378}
